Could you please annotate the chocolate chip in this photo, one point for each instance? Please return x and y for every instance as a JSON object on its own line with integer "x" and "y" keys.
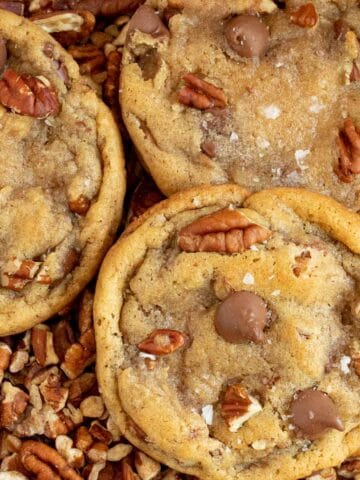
{"x": 241, "y": 316}
{"x": 145, "y": 20}
{"x": 209, "y": 148}
{"x": 3, "y": 54}
{"x": 247, "y": 35}
{"x": 313, "y": 412}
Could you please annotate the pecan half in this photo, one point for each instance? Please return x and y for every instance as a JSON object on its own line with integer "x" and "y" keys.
{"x": 224, "y": 231}
{"x": 90, "y": 58}
{"x": 238, "y": 406}
{"x": 106, "y": 7}
{"x": 200, "y": 94}
{"x": 13, "y": 404}
{"x": 45, "y": 462}
{"x": 68, "y": 27}
{"x": 163, "y": 342}
{"x": 306, "y": 16}
{"x": 27, "y": 95}
{"x": 348, "y": 143}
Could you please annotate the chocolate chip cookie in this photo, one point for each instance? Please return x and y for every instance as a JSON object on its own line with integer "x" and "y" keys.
{"x": 227, "y": 330}
{"x": 252, "y": 92}
{"x": 61, "y": 175}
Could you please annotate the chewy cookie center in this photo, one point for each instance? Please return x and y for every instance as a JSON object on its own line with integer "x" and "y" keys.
{"x": 225, "y": 334}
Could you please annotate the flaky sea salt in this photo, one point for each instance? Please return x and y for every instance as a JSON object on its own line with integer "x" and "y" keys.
{"x": 271, "y": 112}
{"x": 248, "y": 279}
{"x": 344, "y": 364}
{"x": 207, "y": 413}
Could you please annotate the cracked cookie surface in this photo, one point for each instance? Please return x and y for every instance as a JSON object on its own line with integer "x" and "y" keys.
{"x": 283, "y": 95}
{"x": 234, "y": 365}
{"x": 62, "y": 177}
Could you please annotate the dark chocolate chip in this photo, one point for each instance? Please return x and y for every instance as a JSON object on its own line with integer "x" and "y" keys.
{"x": 147, "y": 21}
{"x": 247, "y": 35}
{"x": 313, "y": 412}
{"x": 241, "y": 316}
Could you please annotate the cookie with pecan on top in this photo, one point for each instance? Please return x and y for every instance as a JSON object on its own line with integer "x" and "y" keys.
{"x": 227, "y": 332}
{"x": 259, "y": 93}
{"x": 61, "y": 177}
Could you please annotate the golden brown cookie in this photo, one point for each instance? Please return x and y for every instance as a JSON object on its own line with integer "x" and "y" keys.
{"x": 251, "y": 92}
{"x": 61, "y": 174}
{"x": 227, "y": 330}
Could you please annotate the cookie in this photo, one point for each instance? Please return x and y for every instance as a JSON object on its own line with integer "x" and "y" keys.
{"x": 62, "y": 177}
{"x": 246, "y": 92}
{"x": 227, "y": 332}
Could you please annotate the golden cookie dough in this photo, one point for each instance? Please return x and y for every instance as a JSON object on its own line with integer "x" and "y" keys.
{"x": 61, "y": 174}
{"x": 284, "y": 109}
{"x": 303, "y": 265}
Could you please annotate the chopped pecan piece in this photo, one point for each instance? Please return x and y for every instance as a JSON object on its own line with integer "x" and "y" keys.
{"x": 111, "y": 86}
{"x": 355, "y": 73}
{"x": 106, "y": 7}
{"x": 16, "y": 273}
{"x": 74, "y": 456}
{"x": 43, "y": 347}
{"x": 302, "y": 261}
{"x": 27, "y": 95}
{"x": 306, "y": 16}
{"x": 146, "y": 467}
{"x": 81, "y": 386}
{"x": 200, "y": 94}
{"x": 85, "y": 312}
{"x": 53, "y": 393}
{"x": 163, "y": 342}
{"x": 350, "y": 468}
{"x": 63, "y": 338}
{"x": 80, "y": 206}
{"x": 45, "y": 462}
{"x": 13, "y": 404}
{"x": 224, "y": 231}
{"x": 238, "y": 406}
{"x": 5, "y": 356}
{"x": 77, "y": 358}
{"x": 90, "y": 58}
{"x": 68, "y": 27}
{"x": 100, "y": 433}
{"x": 348, "y": 143}
{"x": 83, "y": 439}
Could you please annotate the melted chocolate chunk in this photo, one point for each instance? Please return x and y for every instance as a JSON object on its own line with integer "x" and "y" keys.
{"x": 240, "y": 317}
{"x": 247, "y": 35}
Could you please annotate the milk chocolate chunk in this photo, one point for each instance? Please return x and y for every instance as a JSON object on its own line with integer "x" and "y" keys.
{"x": 240, "y": 317}
{"x": 247, "y": 35}
{"x": 147, "y": 21}
{"x": 313, "y": 412}
{"x": 3, "y": 54}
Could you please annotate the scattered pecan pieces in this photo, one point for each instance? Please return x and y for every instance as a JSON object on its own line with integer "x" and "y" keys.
{"x": 238, "y": 406}
{"x": 348, "y": 143}
{"x": 224, "y": 231}
{"x": 163, "y": 342}
{"x": 111, "y": 85}
{"x": 13, "y": 404}
{"x": 45, "y": 462}
{"x": 200, "y": 94}
{"x": 27, "y": 95}
{"x": 68, "y": 27}
{"x": 306, "y": 16}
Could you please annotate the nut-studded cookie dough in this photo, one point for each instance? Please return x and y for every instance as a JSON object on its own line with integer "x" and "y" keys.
{"x": 227, "y": 331}
{"x": 247, "y": 92}
{"x": 61, "y": 176}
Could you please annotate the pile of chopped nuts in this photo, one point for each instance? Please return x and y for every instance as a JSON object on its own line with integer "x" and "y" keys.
{"x": 52, "y": 417}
